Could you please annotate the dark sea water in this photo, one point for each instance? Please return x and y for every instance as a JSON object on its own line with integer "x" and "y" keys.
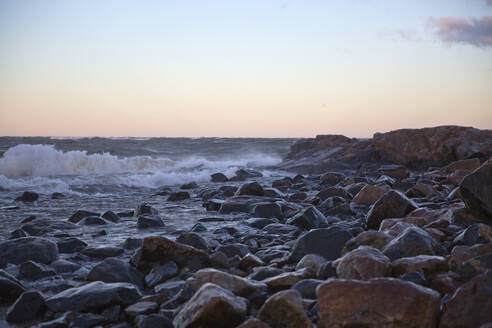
{"x": 101, "y": 174}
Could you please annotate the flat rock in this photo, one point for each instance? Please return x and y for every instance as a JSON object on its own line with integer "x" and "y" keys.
{"x": 20, "y": 250}
{"x": 355, "y": 303}
{"x": 267, "y": 210}
{"x": 94, "y": 295}
{"x": 284, "y": 310}
{"x": 212, "y": 306}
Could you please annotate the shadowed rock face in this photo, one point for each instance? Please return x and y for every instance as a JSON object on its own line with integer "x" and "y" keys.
{"x": 416, "y": 148}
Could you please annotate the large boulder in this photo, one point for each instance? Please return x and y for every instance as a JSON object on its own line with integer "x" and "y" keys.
{"x": 212, "y": 306}
{"x": 381, "y": 302}
{"x": 115, "y": 270}
{"x": 93, "y": 296}
{"x": 393, "y": 204}
{"x": 326, "y": 242}
{"x": 284, "y": 310}
{"x": 159, "y": 250}
{"x": 20, "y": 250}
{"x": 476, "y": 190}
{"x": 363, "y": 263}
{"x": 470, "y": 305}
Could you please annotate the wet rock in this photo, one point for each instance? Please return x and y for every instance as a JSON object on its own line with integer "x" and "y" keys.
{"x": 369, "y": 194}
{"x": 344, "y": 303}
{"x": 392, "y": 204}
{"x": 375, "y": 239}
{"x": 159, "y": 250}
{"x": 331, "y": 178}
{"x": 198, "y": 228}
{"x": 327, "y": 242}
{"x": 412, "y": 242}
{"x": 219, "y": 260}
{"x": 477, "y": 265}
{"x": 132, "y": 243}
{"x": 326, "y": 271}
{"x": 333, "y": 192}
{"x": 189, "y": 185}
{"x": 145, "y": 209}
{"x": 213, "y": 204}
{"x": 102, "y": 252}
{"x": 63, "y": 266}
{"x": 212, "y": 306}
{"x": 10, "y": 288}
{"x": 169, "y": 289}
{"x": 161, "y": 273}
{"x": 218, "y": 177}
{"x": 57, "y": 195}
{"x": 476, "y": 190}
{"x": 192, "y": 239}
{"x": 28, "y": 196}
{"x": 426, "y": 264}
{"x": 284, "y": 310}
{"x": 41, "y": 227}
{"x": 145, "y": 222}
{"x": 280, "y": 229}
{"x": 234, "y": 249}
{"x": 153, "y": 321}
{"x": 33, "y": 271}
{"x": 141, "y": 308}
{"x": 81, "y": 214}
{"x": 415, "y": 277}
{"x": 470, "y": 305}
{"x": 286, "y": 279}
{"x": 461, "y": 254}
{"x": 17, "y": 233}
{"x": 237, "y": 285}
{"x": 115, "y": 270}
{"x": 249, "y": 261}
{"x": 474, "y": 234}
{"x": 363, "y": 263}
{"x": 237, "y": 204}
{"x": 178, "y": 196}
{"x": 70, "y": 245}
{"x": 253, "y": 323}
{"x": 264, "y": 273}
{"x": 29, "y": 306}
{"x": 93, "y": 220}
{"x": 20, "y": 250}
{"x": 94, "y": 295}
{"x": 311, "y": 262}
{"x": 260, "y": 223}
{"x": 273, "y": 192}
{"x": 395, "y": 171}
{"x": 84, "y": 320}
{"x": 267, "y": 210}
{"x": 421, "y": 190}
{"x": 307, "y": 287}
{"x": 251, "y": 188}
{"x": 248, "y": 173}
{"x": 309, "y": 218}
{"x": 111, "y": 216}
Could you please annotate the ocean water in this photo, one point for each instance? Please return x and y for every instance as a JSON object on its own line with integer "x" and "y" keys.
{"x": 117, "y": 174}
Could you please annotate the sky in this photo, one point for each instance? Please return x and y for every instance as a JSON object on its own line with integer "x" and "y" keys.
{"x": 256, "y": 68}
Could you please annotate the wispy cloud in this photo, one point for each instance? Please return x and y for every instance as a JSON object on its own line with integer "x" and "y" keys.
{"x": 400, "y": 34}
{"x": 473, "y": 31}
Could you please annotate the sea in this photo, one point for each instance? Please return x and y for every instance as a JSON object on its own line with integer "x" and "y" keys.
{"x": 100, "y": 174}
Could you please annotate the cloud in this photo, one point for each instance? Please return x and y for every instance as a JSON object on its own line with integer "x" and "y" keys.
{"x": 400, "y": 34}
{"x": 477, "y": 32}
{"x": 489, "y": 2}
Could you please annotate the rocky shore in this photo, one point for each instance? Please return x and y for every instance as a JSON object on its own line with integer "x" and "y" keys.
{"x": 393, "y": 231}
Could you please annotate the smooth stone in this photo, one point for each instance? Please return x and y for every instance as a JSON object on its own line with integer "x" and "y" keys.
{"x": 144, "y": 222}
{"x": 253, "y": 323}
{"x": 250, "y": 189}
{"x": 111, "y": 216}
{"x": 284, "y": 310}
{"x": 189, "y": 185}
{"x": 392, "y": 204}
{"x": 363, "y": 263}
{"x": 427, "y": 264}
{"x": 267, "y": 210}
{"x": 94, "y": 295}
{"x": 30, "y": 270}
{"x": 10, "y": 288}
{"x": 309, "y": 218}
{"x": 70, "y": 245}
{"x": 260, "y": 223}
{"x": 141, "y": 308}
{"x": 286, "y": 279}
{"x": 369, "y": 194}
{"x": 93, "y": 220}
{"x": 178, "y": 196}
{"x": 307, "y": 287}
{"x": 375, "y": 239}
{"x": 114, "y": 270}
{"x": 81, "y": 214}
{"x": 161, "y": 273}
{"x": 29, "y": 306}
{"x": 412, "y": 242}
{"x": 102, "y": 251}
{"x": 347, "y": 303}
{"x": 212, "y": 306}
{"x": 41, "y": 227}
{"x": 238, "y": 285}
{"x": 311, "y": 262}
{"x": 218, "y": 177}
{"x": 28, "y": 196}
{"x": 24, "y": 249}
{"x": 132, "y": 243}
{"x": 193, "y": 239}
{"x": 63, "y": 266}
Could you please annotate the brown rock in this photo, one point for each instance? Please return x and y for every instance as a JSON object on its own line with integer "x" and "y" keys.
{"x": 212, "y": 306}
{"x": 238, "y": 285}
{"x": 160, "y": 250}
{"x": 463, "y": 164}
{"x": 285, "y": 310}
{"x": 287, "y": 279}
{"x": 392, "y": 204}
{"x": 253, "y": 323}
{"x": 382, "y": 302}
{"x": 470, "y": 305}
{"x": 476, "y": 190}
{"x": 363, "y": 263}
{"x": 368, "y": 195}
{"x": 426, "y": 264}
{"x": 461, "y": 254}
{"x": 375, "y": 239}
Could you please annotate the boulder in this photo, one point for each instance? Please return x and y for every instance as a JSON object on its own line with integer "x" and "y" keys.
{"x": 212, "y": 306}
{"x": 20, "y": 250}
{"x": 326, "y": 242}
{"x": 218, "y": 177}
{"x": 284, "y": 310}
{"x": 287, "y": 279}
{"x": 412, "y": 242}
{"x": 93, "y": 220}
{"x": 461, "y": 254}
{"x": 93, "y": 296}
{"x": 308, "y": 218}
{"x": 356, "y": 303}
{"x": 363, "y": 263}
{"x": 159, "y": 250}
{"x": 470, "y": 305}
{"x": 476, "y": 190}
{"x": 311, "y": 262}
{"x": 29, "y": 306}
{"x": 368, "y": 195}
{"x": 392, "y": 204}
{"x": 251, "y": 188}
{"x": 115, "y": 270}
{"x": 469, "y": 164}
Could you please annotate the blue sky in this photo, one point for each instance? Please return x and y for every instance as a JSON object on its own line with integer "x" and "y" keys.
{"x": 258, "y": 68}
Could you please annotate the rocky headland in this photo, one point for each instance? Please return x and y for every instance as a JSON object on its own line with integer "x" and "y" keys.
{"x": 393, "y": 231}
